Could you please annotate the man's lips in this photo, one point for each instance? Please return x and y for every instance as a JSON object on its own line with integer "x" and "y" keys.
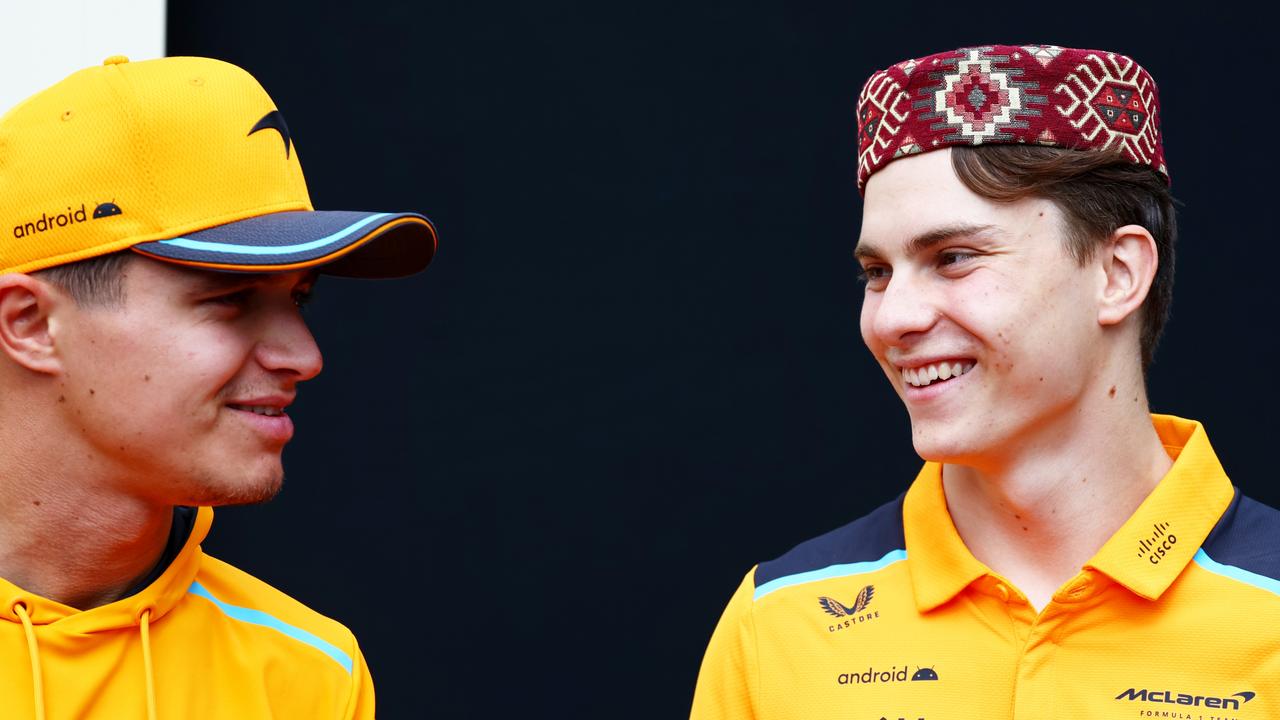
{"x": 266, "y": 415}
{"x": 268, "y": 405}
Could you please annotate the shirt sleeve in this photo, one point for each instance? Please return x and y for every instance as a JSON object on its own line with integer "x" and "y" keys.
{"x": 728, "y": 683}
{"x": 360, "y": 704}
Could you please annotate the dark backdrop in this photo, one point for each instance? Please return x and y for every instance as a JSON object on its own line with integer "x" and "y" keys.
{"x": 530, "y": 478}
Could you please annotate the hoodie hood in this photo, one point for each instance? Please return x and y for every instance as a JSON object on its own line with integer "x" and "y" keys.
{"x": 64, "y": 625}
{"x": 199, "y": 639}
{"x": 159, "y": 597}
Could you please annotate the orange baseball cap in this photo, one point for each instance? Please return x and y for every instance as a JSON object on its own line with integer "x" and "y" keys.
{"x": 185, "y": 160}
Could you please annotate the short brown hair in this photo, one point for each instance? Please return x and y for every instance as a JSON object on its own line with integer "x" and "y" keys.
{"x": 98, "y": 281}
{"x": 1097, "y": 193}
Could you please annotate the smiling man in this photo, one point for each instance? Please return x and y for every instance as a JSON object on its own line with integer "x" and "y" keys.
{"x": 1062, "y": 552}
{"x": 160, "y": 243}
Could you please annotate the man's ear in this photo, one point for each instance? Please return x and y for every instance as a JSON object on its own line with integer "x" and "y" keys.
{"x": 1129, "y": 259}
{"x": 25, "y": 307}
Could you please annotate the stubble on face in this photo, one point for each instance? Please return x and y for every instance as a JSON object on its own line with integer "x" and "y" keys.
{"x": 205, "y": 488}
{"x": 149, "y": 382}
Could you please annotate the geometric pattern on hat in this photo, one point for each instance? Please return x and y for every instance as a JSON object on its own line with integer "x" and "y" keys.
{"x": 1007, "y": 94}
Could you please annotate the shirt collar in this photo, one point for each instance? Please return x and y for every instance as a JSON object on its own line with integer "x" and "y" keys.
{"x": 1145, "y": 555}
{"x": 940, "y": 564}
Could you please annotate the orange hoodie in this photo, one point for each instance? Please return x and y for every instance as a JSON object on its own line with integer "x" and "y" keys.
{"x": 203, "y": 641}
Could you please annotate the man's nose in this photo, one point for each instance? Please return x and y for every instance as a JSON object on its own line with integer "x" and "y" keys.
{"x": 288, "y": 346}
{"x": 907, "y": 306}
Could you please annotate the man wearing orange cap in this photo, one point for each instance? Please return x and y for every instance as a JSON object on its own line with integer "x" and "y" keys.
{"x": 1062, "y": 553}
{"x": 158, "y": 242}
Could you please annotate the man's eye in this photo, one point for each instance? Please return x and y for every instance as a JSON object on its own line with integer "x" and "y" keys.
{"x": 872, "y": 274}
{"x": 240, "y": 297}
{"x": 952, "y": 257}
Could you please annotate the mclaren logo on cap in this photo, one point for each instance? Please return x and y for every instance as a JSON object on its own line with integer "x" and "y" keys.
{"x": 275, "y": 121}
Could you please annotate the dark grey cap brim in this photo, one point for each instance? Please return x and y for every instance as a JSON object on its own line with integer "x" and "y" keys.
{"x": 335, "y": 242}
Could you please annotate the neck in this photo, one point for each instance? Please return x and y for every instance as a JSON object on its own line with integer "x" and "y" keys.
{"x": 64, "y": 533}
{"x": 1037, "y": 513}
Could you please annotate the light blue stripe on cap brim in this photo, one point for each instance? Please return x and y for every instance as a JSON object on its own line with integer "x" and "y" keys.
{"x": 258, "y": 617}
{"x": 328, "y": 243}
{"x": 303, "y": 238}
{"x": 832, "y": 571}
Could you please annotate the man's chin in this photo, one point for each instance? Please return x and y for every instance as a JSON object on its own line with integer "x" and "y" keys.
{"x": 239, "y": 491}
{"x": 244, "y": 498}
{"x": 937, "y": 442}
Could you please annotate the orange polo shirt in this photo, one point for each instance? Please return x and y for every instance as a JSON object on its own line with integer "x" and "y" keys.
{"x": 891, "y": 616}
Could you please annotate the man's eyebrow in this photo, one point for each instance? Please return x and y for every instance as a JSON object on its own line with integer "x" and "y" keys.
{"x": 925, "y": 240}
{"x": 212, "y": 281}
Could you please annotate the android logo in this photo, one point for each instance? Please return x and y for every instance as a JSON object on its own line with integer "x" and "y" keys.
{"x": 924, "y": 674}
{"x": 106, "y": 209}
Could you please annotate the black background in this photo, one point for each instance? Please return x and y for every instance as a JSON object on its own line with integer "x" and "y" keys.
{"x": 530, "y": 478}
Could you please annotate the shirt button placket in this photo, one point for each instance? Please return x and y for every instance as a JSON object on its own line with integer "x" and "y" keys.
{"x": 1034, "y": 689}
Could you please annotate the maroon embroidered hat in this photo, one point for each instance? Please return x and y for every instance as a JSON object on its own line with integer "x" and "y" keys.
{"x": 1041, "y": 94}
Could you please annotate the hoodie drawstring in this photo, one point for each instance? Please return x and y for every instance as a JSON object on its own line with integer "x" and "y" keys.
{"x": 145, "y": 627}
{"x": 37, "y": 682}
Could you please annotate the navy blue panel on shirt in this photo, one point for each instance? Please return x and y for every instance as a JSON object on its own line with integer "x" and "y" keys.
{"x": 1248, "y": 537}
{"x": 868, "y": 538}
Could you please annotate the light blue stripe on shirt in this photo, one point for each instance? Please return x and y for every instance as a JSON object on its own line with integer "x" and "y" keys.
{"x": 1259, "y": 581}
{"x": 257, "y": 617}
{"x": 832, "y": 571}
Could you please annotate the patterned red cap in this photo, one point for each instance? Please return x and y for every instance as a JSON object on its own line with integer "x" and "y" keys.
{"x": 1042, "y": 94}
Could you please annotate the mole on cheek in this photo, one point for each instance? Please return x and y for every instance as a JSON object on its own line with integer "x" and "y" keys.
{"x": 1112, "y": 391}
